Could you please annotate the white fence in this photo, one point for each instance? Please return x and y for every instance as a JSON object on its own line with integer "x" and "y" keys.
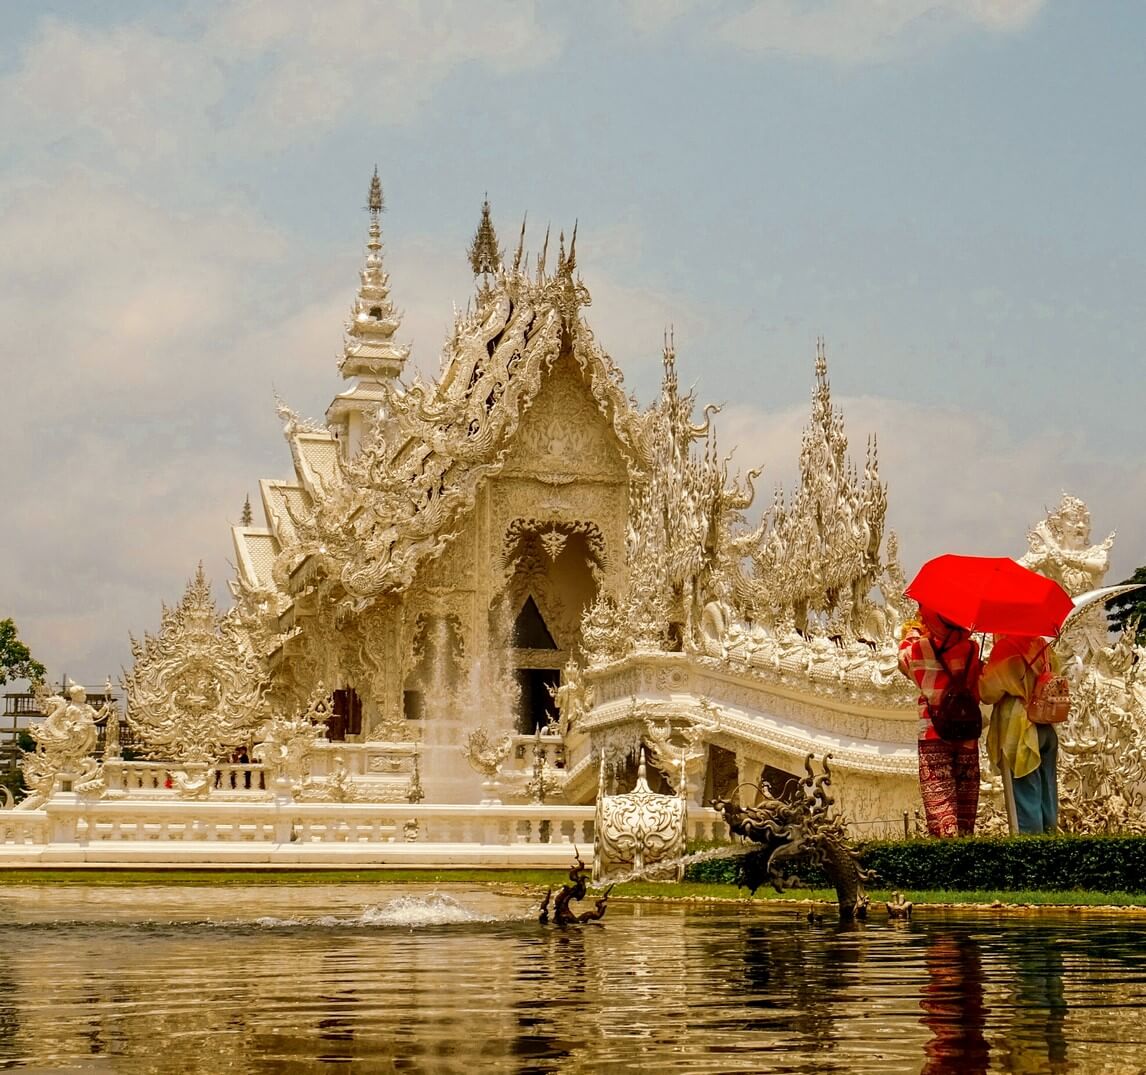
{"x": 73, "y": 830}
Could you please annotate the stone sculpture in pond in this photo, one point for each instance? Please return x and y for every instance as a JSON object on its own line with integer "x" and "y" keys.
{"x": 805, "y": 831}
{"x": 575, "y": 890}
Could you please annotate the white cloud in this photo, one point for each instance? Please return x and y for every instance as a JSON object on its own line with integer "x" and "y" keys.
{"x": 244, "y": 76}
{"x": 846, "y": 31}
{"x": 321, "y": 64}
{"x": 105, "y": 291}
{"x": 129, "y": 91}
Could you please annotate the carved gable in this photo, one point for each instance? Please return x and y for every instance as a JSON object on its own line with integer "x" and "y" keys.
{"x": 564, "y": 435}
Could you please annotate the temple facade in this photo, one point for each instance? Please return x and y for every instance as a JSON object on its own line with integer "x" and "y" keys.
{"x": 518, "y": 549}
{"x": 478, "y": 608}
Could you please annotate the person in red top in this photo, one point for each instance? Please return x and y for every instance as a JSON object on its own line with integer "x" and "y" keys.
{"x": 929, "y": 655}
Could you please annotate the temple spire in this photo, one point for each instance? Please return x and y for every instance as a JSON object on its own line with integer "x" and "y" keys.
{"x": 484, "y": 255}
{"x": 248, "y": 517}
{"x": 370, "y": 352}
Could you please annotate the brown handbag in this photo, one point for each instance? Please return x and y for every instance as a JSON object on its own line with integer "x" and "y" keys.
{"x": 957, "y": 717}
{"x": 1050, "y": 699}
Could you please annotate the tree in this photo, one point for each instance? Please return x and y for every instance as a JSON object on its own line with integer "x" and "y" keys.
{"x": 1129, "y": 606}
{"x": 16, "y": 660}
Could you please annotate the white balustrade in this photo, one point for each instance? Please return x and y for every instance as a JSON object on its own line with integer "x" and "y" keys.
{"x": 148, "y": 822}
{"x": 523, "y": 756}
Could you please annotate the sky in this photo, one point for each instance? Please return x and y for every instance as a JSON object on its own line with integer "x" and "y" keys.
{"x": 949, "y": 191}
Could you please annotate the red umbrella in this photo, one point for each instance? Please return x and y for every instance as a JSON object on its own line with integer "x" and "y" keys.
{"x": 991, "y": 593}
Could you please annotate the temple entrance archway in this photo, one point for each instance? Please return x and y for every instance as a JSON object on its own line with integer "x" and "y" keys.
{"x": 551, "y": 571}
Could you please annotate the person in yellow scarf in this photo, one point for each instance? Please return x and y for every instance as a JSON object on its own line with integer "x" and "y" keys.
{"x": 1024, "y": 752}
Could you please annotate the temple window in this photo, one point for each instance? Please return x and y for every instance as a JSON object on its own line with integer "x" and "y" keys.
{"x": 345, "y": 715}
{"x": 537, "y": 705}
{"x": 413, "y": 705}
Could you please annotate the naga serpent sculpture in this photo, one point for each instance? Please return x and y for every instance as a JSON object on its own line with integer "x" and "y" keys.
{"x": 801, "y": 831}
{"x": 575, "y": 890}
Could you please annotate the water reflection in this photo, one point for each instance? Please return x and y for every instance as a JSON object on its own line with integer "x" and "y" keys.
{"x": 953, "y": 1005}
{"x": 1037, "y": 1039}
{"x": 281, "y": 980}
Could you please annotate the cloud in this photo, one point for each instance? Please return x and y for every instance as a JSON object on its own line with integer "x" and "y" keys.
{"x": 959, "y": 482}
{"x": 377, "y": 60}
{"x": 127, "y": 287}
{"x": 142, "y": 97}
{"x": 247, "y": 76}
{"x": 844, "y": 31}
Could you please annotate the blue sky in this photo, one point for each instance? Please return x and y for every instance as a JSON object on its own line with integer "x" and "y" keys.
{"x": 948, "y": 190}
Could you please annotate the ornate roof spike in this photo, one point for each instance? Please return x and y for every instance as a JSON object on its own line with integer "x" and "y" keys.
{"x": 520, "y": 245}
{"x": 247, "y": 517}
{"x": 484, "y": 255}
{"x": 543, "y": 256}
{"x": 570, "y": 263}
{"x": 669, "y": 358}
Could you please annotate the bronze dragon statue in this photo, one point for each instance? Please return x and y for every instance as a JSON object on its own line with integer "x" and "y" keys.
{"x": 575, "y": 890}
{"x": 806, "y": 831}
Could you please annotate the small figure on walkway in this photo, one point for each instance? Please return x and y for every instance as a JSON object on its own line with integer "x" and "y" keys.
{"x": 942, "y": 660}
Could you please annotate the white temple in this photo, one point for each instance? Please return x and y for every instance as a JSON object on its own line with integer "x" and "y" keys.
{"x": 473, "y": 597}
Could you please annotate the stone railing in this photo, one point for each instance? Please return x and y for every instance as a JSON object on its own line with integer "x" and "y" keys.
{"x": 523, "y": 756}
{"x": 236, "y": 776}
{"x": 21, "y": 829}
{"x": 71, "y": 828}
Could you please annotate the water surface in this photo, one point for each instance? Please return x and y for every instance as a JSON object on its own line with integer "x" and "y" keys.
{"x": 409, "y": 979}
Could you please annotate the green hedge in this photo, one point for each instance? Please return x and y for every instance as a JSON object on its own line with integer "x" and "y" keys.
{"x": 1012, "y": 863}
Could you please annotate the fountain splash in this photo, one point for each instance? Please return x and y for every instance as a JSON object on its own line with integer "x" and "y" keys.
{"x": 727, "y": 851}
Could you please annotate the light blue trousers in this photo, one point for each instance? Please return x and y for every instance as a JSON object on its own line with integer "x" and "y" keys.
{"x": 1036, "y": 794}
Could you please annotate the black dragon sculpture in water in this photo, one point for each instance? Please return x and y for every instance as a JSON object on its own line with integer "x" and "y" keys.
{"x": 804, "y": 830}
{"x": 576, "y": 889}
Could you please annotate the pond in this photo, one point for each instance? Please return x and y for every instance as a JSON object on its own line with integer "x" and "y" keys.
{"x": 408, "y": 979}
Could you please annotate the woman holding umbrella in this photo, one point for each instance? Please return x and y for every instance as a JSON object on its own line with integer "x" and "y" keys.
{"x": 1021, "y": 749}
{"x": 1021, "y": 608}
{"x": 940, "y": 657}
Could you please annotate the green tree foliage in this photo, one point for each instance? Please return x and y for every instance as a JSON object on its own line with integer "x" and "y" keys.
{"x": 16, "y": 660}
{"x": 1130, "y": 606}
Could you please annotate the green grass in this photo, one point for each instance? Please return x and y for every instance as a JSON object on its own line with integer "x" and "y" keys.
{"x": 539, "y": 879}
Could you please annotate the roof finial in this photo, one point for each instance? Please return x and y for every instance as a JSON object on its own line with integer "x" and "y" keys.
{"x": 375, "y": 204}
{"x": 520, "y": 245}
{"x": 668, "y": 356}
{"x": 541, "y": 258}
{"x": 571, "y": 260}
{"x": 247, "y": 518}
{"x": 484, "y": 255}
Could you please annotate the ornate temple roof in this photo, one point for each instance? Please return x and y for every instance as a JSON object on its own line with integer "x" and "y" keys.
{"x": 369, "y": 516}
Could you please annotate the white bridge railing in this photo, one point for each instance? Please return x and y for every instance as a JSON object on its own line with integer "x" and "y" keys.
{"x": 73, "y": 829}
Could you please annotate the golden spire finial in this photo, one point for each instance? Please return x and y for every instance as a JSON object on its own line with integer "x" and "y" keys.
{"x": 375, "y": 203}
{"x": 484, "y": 255}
